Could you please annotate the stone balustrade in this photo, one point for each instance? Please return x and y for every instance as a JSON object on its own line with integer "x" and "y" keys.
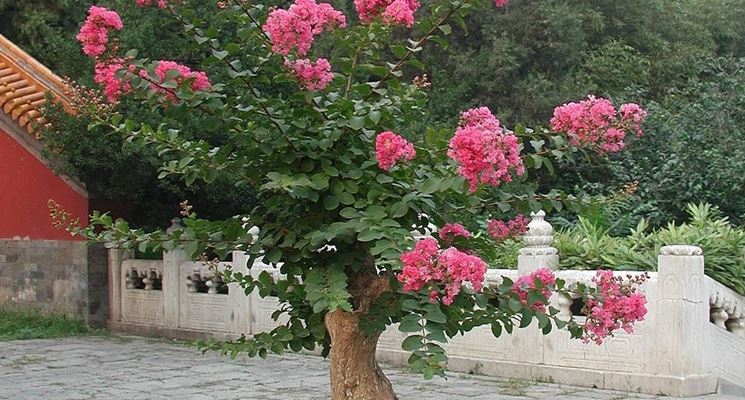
{"x": 691, "y": 340}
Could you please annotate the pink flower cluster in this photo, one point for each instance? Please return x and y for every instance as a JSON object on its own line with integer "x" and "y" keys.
{"x": 296, "y": 27}
{"x": 441, "y": 272}
{"x": 449, "y": 232}
{"x": 400, "y": 12}
{"x": 105, "y": 74}
{"x": 94, "y": 34}
{"x": 595, "y": 122}
{"x": 485, "y": 153}
{"x": 200, "y": 81}
{"x": 526, "y": 283}
{"x": 500, "y": 3}
{"x": 391, "y": 148}
{"x": 502, "y": 230}
{"x": 147, "y": 3}
{"x": 313, "y": 75}
{"x": 616, "y": 305}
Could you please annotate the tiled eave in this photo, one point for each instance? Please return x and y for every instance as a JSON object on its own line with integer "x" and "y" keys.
{"x": 24, "y": 84}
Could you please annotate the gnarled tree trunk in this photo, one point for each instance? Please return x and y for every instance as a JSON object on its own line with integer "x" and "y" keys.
{"x": 355, "y": 373}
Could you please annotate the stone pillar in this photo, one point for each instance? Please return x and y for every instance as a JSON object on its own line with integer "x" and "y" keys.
{"x": 238, "y": 301}
{"x": 681, "y": 315}
{"x": 172, "y": 283}
{"x": 538, "y": 252}
{"x": 116, "y": 256}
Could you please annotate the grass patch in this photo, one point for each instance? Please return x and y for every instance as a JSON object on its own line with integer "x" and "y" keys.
{"x": 18, "y": 324}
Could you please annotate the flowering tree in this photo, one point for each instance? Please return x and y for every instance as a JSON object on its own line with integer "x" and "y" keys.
{"x": 316, "y": 112}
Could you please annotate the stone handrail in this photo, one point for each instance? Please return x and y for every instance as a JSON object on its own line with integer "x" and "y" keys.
{"x": 726, "y": 307}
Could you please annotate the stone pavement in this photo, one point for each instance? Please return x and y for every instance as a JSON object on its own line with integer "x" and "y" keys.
{"x": 132, "y": 368}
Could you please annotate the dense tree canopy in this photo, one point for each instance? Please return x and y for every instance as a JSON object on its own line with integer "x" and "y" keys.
{"x": 672, "y": 56}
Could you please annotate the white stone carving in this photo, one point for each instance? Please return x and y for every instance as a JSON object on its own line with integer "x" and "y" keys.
{"x": 539, "y": 237}
{"x": 681, "y": 250}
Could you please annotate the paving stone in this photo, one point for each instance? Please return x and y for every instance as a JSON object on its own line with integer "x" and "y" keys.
{"x": 128, "y": 368}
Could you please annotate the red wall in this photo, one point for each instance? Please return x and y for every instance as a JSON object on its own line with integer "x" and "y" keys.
{"x": 26, "y": 184}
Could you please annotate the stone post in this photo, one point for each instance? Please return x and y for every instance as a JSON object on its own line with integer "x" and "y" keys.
{"x": 239, "y": 303}
{"x": 681, "y": 315}
{"x": 538, "y": 252}
{"x": 172, "y": 261}
{"x": 116, "y": 256}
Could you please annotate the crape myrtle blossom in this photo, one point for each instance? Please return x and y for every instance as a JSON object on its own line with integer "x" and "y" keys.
{"x": 391, "y": 148}
{"x": 105, "y": 74}
{"x": 503, "y": 230}
{"x": 297, "y": 27}
{"x": 400, "y": 12}
{"x": 311, "y": 75}
{"x": 524, "y": 284}
{"x": 94, "y": 34}
{"x": 199, "y": 79}
{"x": 450, "y": 231}
{"x": 441, "y": 272}
{"x": 596, "y": 122}
{"x": 617, "y": 305}
{"x": 484, "y": 152}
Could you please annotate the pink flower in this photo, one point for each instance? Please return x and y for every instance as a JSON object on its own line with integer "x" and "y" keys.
{"x": 485, "y": 154}
{"x": 500, "y": 3}
{"x": 441, "y": 272}
{"x": 526, "y": 283}
{"x": 314, "y": 76}
{"x": 391, "y": 148}
{"x": 106, "y": 76}
{"x": 296, "y": 27}
{"x": 392, "y": 11}
{"x": 502, "y": 230}
{"x": 595, "y": 122}
{"x": 450, "y": 231}
{"x": 94, "y": 34}
{"x": 616, "y": 305}
{"x": 146, "y": 3}
{"x": 632, "y": 113}
{"x": 399, "y": 12}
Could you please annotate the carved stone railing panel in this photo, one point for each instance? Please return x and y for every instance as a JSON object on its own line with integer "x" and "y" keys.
{"x": 203, "y": 303}
{"x": 726, "y": 307}
{"x": 142, "y": 292}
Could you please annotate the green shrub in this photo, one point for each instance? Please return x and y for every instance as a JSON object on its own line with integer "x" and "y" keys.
{"x": 588, "y": 245}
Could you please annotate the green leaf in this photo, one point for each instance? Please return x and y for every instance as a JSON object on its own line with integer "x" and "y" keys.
{"x": 496, "y": 329}
{"x": 330, "y": 202}
{"x": 413, "y": 343}
{"x": 434, "y": 314}
{"x": 408, "y": 326}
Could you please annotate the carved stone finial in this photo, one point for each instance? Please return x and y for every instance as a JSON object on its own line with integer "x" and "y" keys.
{"x": 539, "y": 237}
{"x": 175, "y": 224}
{"x": 681, "y": 250}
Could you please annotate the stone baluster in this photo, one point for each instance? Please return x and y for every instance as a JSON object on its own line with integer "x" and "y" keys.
{"x": 736, "y": 326}
{"x": 538, "y": 252}
{"x": 717, "y": 314}
{"x": 149, "y": 280}
{"x": 211, "y": 285}
{"x": 129, "y": 279}
{"x": 564, "y": 304}
{"x": 192, "y": 282}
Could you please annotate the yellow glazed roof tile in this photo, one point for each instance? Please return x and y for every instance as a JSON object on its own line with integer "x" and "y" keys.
{"x": 24, "y": 84}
